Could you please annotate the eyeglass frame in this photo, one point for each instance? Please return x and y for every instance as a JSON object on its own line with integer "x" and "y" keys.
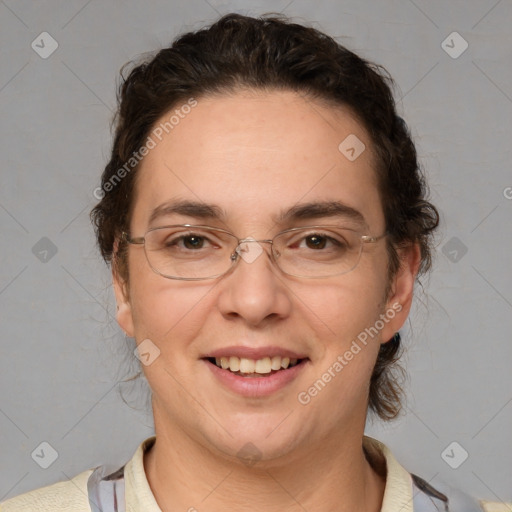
{"x": 235, "y": 256}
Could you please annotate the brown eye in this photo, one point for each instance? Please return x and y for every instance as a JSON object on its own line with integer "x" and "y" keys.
{"x": 316, "y": 242}
{"x": 193, "y": 242}
{"x": 185, "y": 242}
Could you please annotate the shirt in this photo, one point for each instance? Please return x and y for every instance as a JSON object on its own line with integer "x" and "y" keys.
{"x": 403, "y": 492}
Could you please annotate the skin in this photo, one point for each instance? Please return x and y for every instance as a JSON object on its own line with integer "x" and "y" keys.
{"x": 254, "y": 154}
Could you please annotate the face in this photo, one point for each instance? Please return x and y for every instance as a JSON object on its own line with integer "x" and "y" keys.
{"x": 252, "y": 157}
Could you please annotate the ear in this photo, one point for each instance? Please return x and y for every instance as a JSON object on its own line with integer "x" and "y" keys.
{"x": 398, "y": 303}
{"x": 124, "y": 311}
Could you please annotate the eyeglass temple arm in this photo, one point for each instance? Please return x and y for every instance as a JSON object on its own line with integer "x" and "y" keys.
{"x": 137, "y": 240}
{"x": 367, "y": 239}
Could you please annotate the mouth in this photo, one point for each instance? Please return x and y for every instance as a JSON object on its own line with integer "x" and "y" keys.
{"x": 255, "y": 368}
{"x": 255, "y": 372}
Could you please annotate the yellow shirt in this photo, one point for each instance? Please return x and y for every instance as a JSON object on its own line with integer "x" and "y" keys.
{"x": 72, "y": 495}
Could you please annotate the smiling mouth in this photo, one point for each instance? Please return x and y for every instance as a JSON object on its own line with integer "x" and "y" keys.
{"x": 264, "y": 367}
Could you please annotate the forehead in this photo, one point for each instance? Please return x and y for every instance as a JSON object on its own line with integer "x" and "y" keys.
{"x": 254, "y": 154}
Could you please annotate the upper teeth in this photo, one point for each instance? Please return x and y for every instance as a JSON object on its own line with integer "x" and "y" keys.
{"x": 265, "y": 365}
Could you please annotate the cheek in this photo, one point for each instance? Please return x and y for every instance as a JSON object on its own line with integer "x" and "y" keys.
{"x": 341, "y": 309}
{"x": 162, "y": 308}
{"x": 342, "y": 317}
{"x": 171, "y": 315}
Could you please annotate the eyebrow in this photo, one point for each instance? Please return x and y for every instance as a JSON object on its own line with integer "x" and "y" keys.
{"x": 320, "y": 209}
{"x": 312, "y": 210}
{"x": 188, "y": 208}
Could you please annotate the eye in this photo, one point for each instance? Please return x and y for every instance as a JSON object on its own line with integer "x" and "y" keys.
{"x": 320, "y": 241}
{"x": 190, "y": 241}
{"x": 316, "y": 241}
{"x": 193, "y": 241}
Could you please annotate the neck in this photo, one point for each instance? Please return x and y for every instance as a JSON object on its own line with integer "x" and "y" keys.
{"x": 331, "y": 476}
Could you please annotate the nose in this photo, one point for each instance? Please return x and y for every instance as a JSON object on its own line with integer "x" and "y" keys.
{"x": 254, "y": 291}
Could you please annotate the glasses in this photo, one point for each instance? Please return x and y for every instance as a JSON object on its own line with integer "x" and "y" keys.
{"x": 193, "y": 253}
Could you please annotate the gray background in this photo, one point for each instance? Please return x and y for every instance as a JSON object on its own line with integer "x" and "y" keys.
{"x": 61, "y": 350}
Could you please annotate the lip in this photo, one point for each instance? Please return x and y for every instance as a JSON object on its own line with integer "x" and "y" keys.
{"x": 254, "y": 353}
{"x": 256, "y": 387}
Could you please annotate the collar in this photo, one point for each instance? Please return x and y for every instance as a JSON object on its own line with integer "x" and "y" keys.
{"x": 398, "y": 489}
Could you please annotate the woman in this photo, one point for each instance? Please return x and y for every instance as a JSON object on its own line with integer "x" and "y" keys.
{"x": 266, "y": 220}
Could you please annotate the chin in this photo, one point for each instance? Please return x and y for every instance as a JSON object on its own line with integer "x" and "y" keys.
{"x": 251, "y": 440}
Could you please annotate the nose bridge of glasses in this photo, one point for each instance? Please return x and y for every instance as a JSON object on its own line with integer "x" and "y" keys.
{"x": 249, "y": 249}
{"x": 251, "y": 239}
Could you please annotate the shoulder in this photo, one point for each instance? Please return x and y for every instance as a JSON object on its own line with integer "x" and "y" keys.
{"x": 408, "y": 492}
{"x": 428, "y": 497}
{"x": 495, "y": 506}
{"x": 59, "y": 497}
{"x": 443, "y": 497}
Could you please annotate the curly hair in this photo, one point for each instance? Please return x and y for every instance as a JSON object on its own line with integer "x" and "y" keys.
{"x": 272, "y": 53}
